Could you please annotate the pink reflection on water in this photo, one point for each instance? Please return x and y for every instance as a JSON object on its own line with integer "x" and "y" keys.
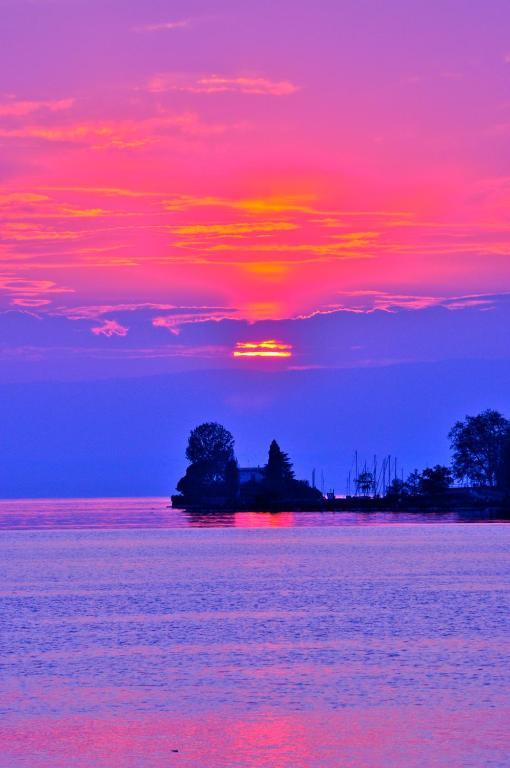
{"x": 154, "y": 513}
{"x": 351, "y": 738}
{"x": 264, "y": 520}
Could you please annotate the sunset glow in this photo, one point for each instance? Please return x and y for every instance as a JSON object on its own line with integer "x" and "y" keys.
{"x": 269, "y": 348}
{"x": 169, "y": 179}
{"x": 178, "y": 168}
{"x": 255, "y": 383}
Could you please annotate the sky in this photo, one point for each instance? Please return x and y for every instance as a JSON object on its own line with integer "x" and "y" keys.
{"x": 275, "y": 186}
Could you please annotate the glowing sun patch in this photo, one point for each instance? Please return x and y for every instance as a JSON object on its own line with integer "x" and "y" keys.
{"x": 268, "y": 348}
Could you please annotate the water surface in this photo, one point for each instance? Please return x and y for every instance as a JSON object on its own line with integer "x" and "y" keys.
{"x": 157, "y": 512}
{"x": 290, "y": 645}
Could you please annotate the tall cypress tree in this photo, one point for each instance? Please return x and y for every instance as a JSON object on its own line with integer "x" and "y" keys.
{"x": 278, "y": 470}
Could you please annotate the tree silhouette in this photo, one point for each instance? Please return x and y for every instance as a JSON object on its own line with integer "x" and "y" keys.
{"x": 278, "y": 471}
{"x": 477, "y": 445}
{"x": 413, "y": 483}
{"x": 397, "y": 489}
{"x": 432, "y": 481}
{"x": 231, "y": 480}
{"x": 365, "y": 483}
{"x": 193, "y": 486}
{"x": 213, "y": 470}
{"x": 280, "y": 486}
{"x": 211, "y": 445}
{"x": 504, "y": 466}
{"x": 435, "y": 481}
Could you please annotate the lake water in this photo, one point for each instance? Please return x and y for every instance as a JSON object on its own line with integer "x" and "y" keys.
{"x": 129, "y": 630}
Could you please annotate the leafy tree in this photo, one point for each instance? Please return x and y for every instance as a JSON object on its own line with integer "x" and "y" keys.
{"x": 435, "y": 481}
{"x": 213, "y": 470}
{"x": 413, "y": 483}
{"x": 397, "y": 489}
{"x": 365, "y": 483}
{"x": 194, "y": 483}
{"x": 504, "y": 466}
{"x": 477, "y": 445}
{"x": 211, "y": 446}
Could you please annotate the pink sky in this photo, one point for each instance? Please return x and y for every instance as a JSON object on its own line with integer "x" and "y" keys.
{"x": 270, "y": 159}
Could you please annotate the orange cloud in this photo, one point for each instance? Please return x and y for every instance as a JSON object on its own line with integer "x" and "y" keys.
{"x": 256, "y": 206}
{"x": 236, "y": 229}
{"x": 318, "y": 250}
{"x": 119, "y": 134}
{"x": 116, "y": 135}
{"x": 215, "y": 84}
{"x": 107, "y": 191}
{"x": 20, "y": 231}
{"x": 276, "y": 204}
{"x": 271, "y": 269}
{"x": 18, "y": 108}
{"x": 8, "y": 199}
{"x": 85, "y": 213}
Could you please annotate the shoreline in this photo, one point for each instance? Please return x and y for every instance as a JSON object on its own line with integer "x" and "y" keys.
{"x": 369, "y": 506}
